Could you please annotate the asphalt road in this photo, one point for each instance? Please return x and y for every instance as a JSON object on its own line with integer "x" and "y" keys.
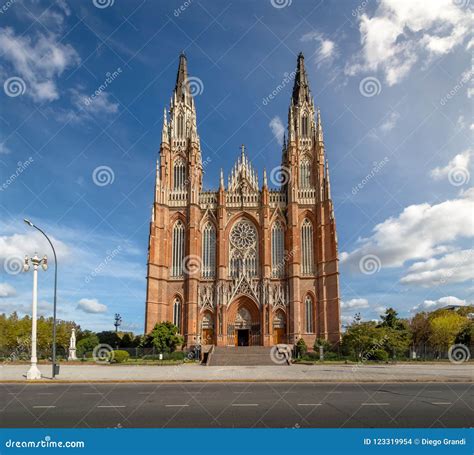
{"x": 244, "y": 405}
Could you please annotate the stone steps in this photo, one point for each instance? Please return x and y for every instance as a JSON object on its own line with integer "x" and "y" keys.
{"x": 242, "y": 355}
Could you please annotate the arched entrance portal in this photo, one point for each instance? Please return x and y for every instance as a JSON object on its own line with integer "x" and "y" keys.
{"x": 243, "y": 323}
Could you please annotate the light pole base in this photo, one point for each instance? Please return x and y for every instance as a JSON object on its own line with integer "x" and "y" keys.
{"x": 33, "y": 373}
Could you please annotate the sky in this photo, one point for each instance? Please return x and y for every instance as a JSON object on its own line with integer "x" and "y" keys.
{"x": 83, "y": 88}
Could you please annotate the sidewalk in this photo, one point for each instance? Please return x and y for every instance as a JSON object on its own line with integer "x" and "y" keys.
{"x": 414, "y": 372}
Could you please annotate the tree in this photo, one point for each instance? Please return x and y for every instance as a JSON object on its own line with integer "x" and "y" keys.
{"x": 445, "y": 326}
{"x": 87, "y": 344}
{"x": 165, "y": 337}
{"x": 420, "y": 329}
{"x": 390, "y": 319}
{"x": 361, "y": 338}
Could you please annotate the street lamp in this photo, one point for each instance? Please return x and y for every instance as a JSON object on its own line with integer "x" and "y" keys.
{"x": 55, "y": 369}
{"x": 34, "y": 372}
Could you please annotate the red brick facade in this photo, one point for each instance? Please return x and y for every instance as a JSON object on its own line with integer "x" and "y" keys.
{"x": 218, "y": 299}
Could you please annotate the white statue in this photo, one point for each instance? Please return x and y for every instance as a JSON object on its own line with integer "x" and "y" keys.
{"x": 72, "y": 346}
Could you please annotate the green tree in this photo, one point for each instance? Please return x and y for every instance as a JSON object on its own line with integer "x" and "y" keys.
{"x": 445, "y": 326}
{"x": 165, "y": 337}
{"x": 87, "y": 344}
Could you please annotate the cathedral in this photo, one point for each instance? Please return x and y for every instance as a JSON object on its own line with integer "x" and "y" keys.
{"x": 246, "y": 264}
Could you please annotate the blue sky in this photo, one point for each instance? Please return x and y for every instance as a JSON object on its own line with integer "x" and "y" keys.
{"x": 84, "y": 87}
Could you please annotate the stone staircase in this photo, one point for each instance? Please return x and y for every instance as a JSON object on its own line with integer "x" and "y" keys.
{"x": 242, "y": 355}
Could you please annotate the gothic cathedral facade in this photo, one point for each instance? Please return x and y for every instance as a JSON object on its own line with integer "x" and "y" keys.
{"x": 244, "y": 265}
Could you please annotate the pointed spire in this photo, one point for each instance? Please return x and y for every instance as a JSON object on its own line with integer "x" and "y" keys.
{"x": 265, "y": 183}
{"x": 328, "y": 182}
{"x": 319, "y": 128}
{"x": 301, "y": 88}
{"x": 165, "y": 131}
{"x": 181, "y": 89}
{"x": 221, "y": 184}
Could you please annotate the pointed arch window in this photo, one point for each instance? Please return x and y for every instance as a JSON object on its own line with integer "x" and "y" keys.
{"x": 309, "y": 314}
{"x": 305, "y": 173}
{"x": 177, "y": 313}
{"x": 180, "y": 125}
{"x": 278, "y": 250}
{"x": 304, "y": 125}
{"x": 177, "y": 253}
{"x": 243, "y": 255}
{"x": 307, "y": 250}
{"x": 209, "y": 251}
{"x": 179, "y": 174}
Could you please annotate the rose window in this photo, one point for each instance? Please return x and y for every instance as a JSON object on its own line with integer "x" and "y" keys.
{"x": 243, "y": 235}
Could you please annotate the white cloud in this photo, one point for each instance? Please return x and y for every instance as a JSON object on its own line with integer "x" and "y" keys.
{"x": 326, "y": 49}
{"x": 91, "y": 306}
{"x": 4, "y": 150}
{"x": 459, "y": 163}
{"x": 355, "y": 304}
{"x": 277, "y": 128}
{"x": 455, "y": 267}
{"x": 87, "y": 107}
{"x": 421, "y": 231}
{"x": 431, "y": 305}
{"x": 403, "y": 32}
{"x": 39, "y": 62}
{"x": 388, "y": 124}
{"x": 6, "y": 290}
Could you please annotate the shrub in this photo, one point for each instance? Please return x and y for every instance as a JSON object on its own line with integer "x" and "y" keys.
{"x": 324, "y": 343}
{"x": 378, "y": 354}
{"x": 301, "y": 348}
{"x": 120, "y": 356}
{"x": 177, "y": 355}
{"x": 310, "y": 356}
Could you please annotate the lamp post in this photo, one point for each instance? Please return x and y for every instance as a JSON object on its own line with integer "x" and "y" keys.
{"x": 55, "y": 369}
{"x": 34, "y": 372}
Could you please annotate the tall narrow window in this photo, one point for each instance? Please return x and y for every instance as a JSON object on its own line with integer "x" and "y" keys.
{"x": 177, "y": 313}
{"x": 177, "y": 253}
{"x": 179, "y": 175}
{"x": 305, "y": 173}
{"x": 209, "y": 251}
{"x": 180, "y": 125}
{"x": 308, "y": 302}
{"x": 307, "y": 250}
{"x": 304, "y": 125}
{"x": 278, "y": 249}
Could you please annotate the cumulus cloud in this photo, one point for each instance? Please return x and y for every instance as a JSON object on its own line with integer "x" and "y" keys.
{"x": 460, "y": 163}
{"x": 39, "y": 61}
{"x": 404, "y": 32}
{"x": 420, "y": 232}
{"x": 355, "y": 304}
{"x": 388, "y": 124}
{"x": 87, "y": 107}
{"x": 91, "y": 306}
{"x": 278, "y": 130}
{"x": 6, "y": 290}
{"x": 4, "y": 150}
{"x": 431, "y": 305}
{"x": 326, "y": 49}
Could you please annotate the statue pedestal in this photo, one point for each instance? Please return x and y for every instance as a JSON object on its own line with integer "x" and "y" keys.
{"x": 72, "y": 354}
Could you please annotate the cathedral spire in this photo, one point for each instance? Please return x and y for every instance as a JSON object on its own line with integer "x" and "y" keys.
{"x": 301, "y": 88}
{"x": 182, "y": 86}
{"x": 165, "y": 130}
{"x": 319, "y": 128}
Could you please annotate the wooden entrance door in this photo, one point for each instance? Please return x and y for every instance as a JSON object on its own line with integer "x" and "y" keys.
{"x": 278, "y": 335}
{"x": 207, "y": 336}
